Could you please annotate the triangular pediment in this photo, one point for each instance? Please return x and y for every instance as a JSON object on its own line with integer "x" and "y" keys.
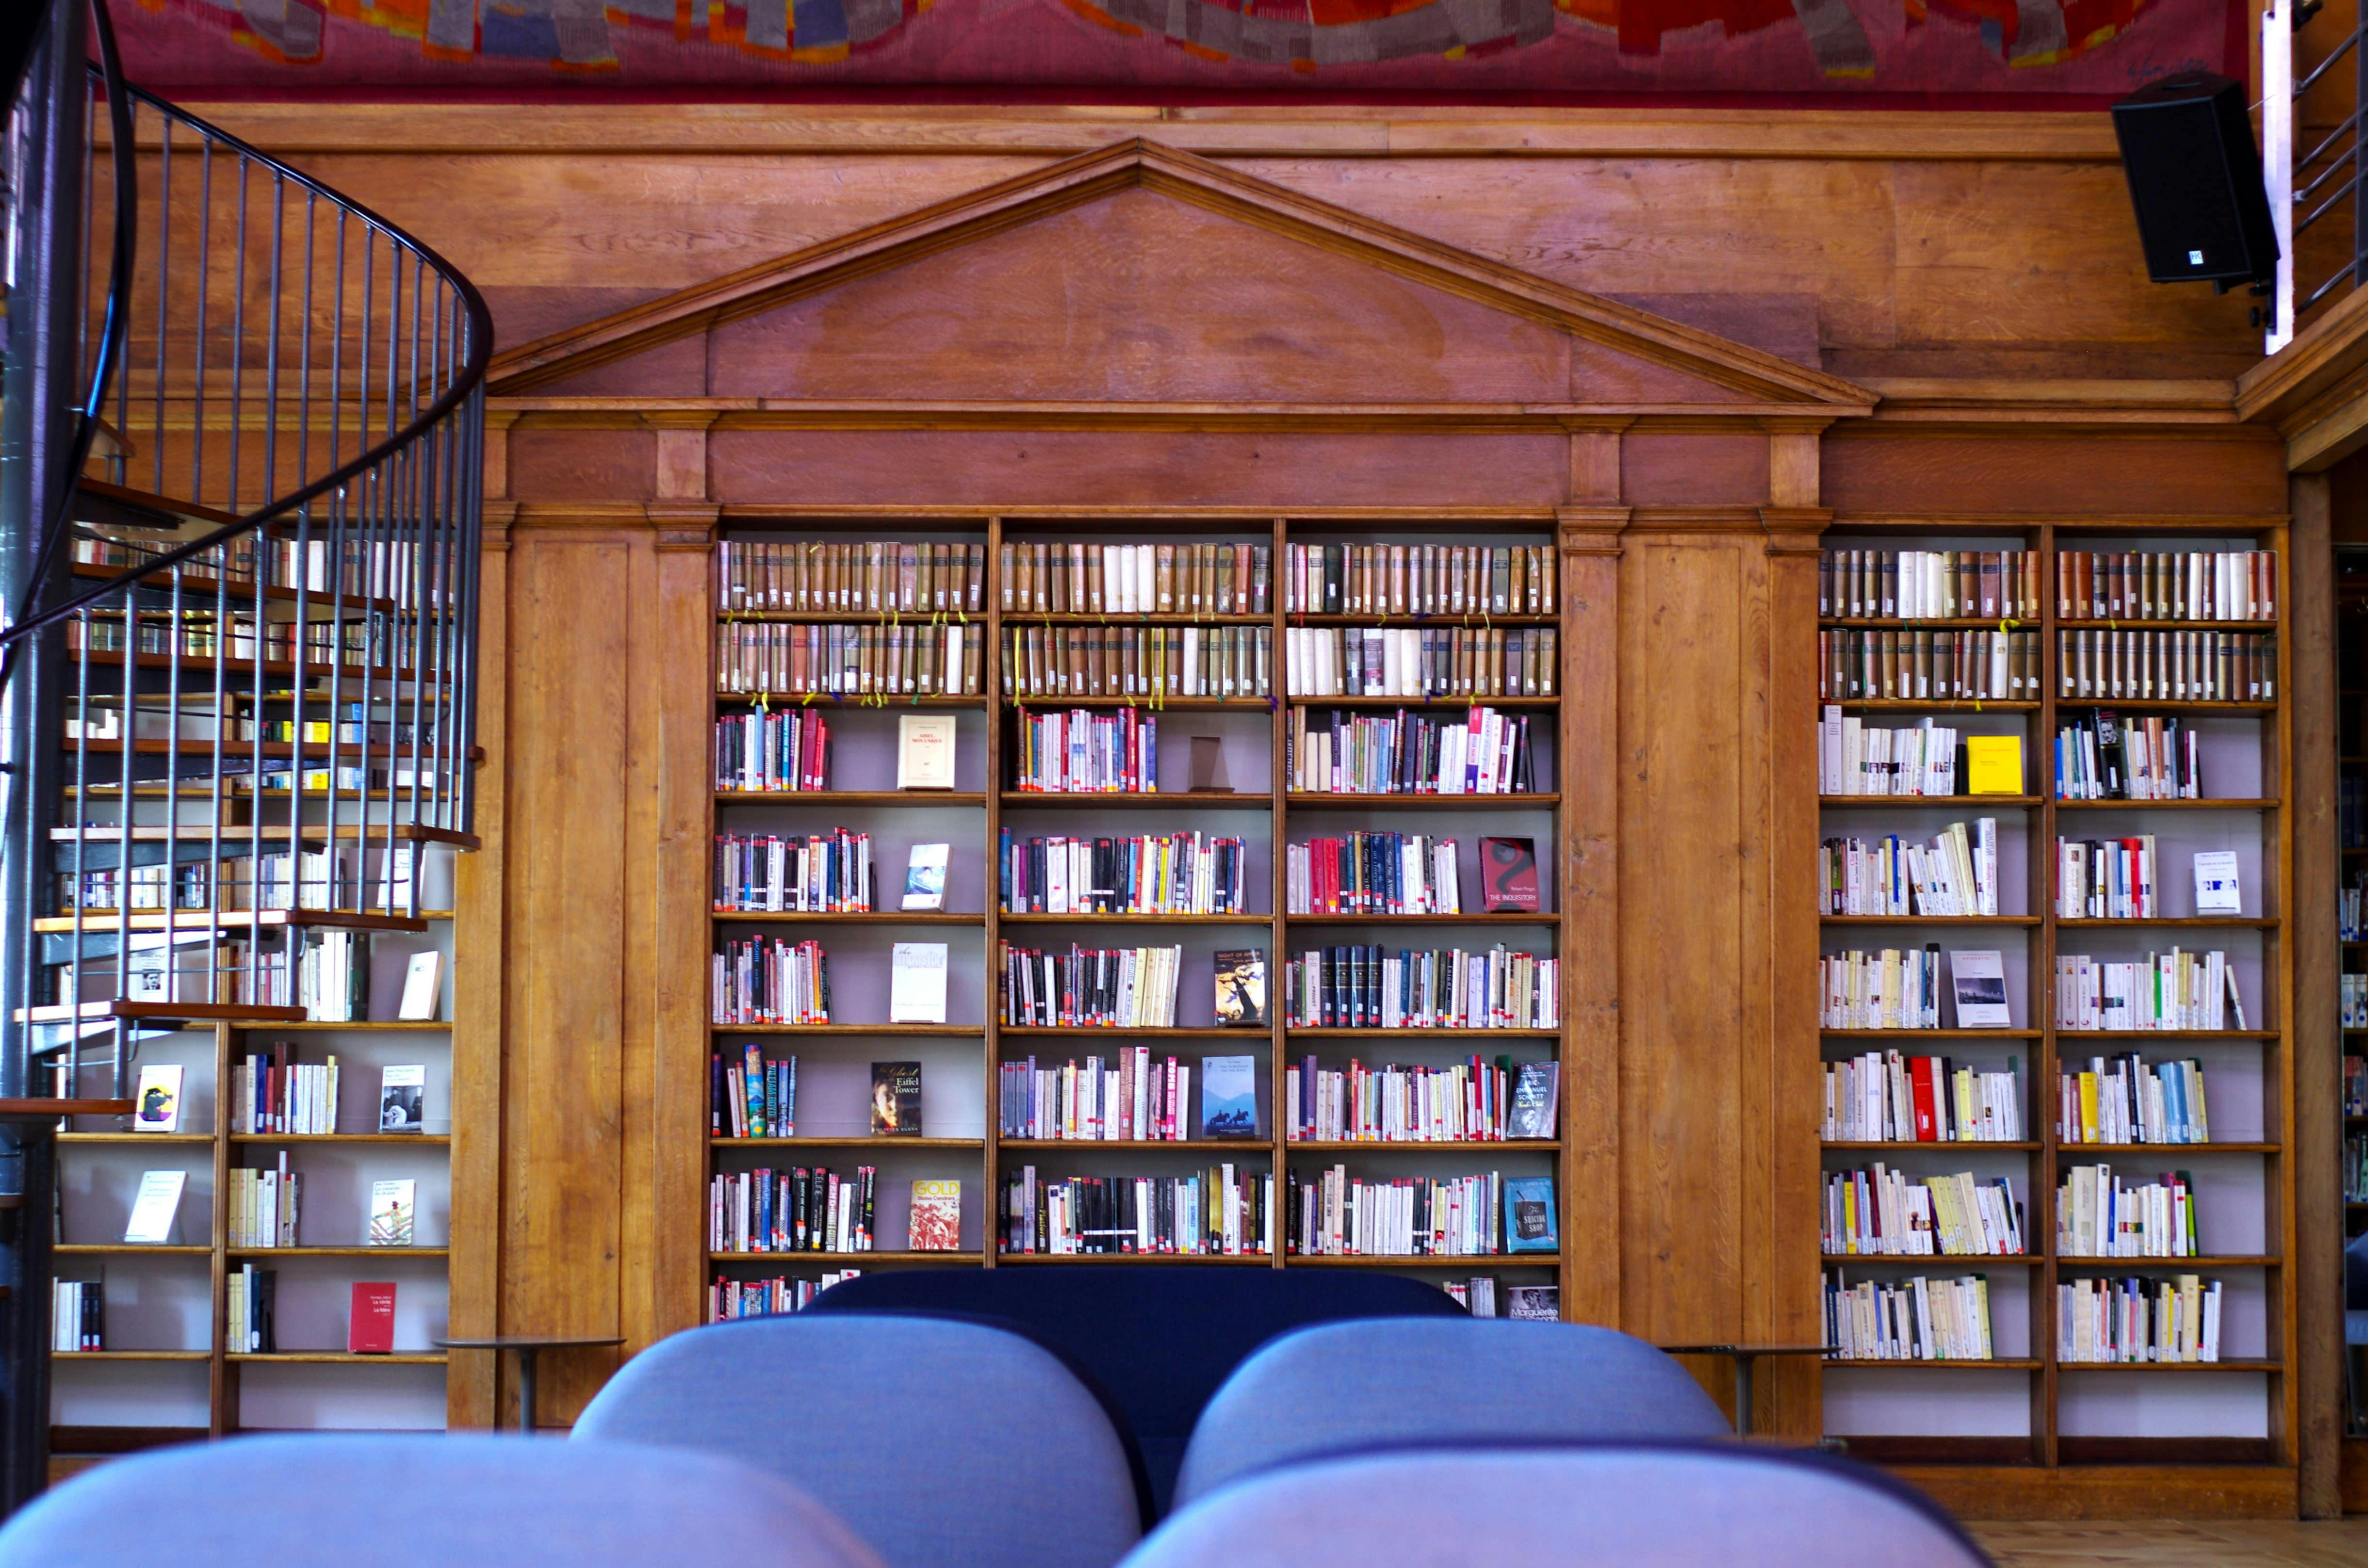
{"x": 1141, "y": 275}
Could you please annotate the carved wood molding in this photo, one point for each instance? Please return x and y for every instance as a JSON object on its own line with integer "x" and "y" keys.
{"x": 1758, "y": 377}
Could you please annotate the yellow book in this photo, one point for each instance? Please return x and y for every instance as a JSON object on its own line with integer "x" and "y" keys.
{"x": 2090, "y": 1132}
{"x": 1993, "y": 764}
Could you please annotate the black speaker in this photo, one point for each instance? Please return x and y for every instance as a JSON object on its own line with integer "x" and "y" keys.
{"x": 2195, "y": 180}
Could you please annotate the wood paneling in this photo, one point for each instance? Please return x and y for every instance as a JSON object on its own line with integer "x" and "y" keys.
{"x": 2054, "y": 474}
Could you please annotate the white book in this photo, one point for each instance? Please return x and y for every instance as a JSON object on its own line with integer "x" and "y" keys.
{"x": 155, "y": 1208}
{"x": 2216, "y": 883}
{"x": 393, "y": 1213}
{"x": 423, "y": 984}
{"x": 916, "y": 982}
{"x": 925, "y": 751}
{"x": 1979, "y": 977}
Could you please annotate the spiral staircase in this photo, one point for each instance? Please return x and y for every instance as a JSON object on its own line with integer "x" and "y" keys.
{"x": 241, "y": 420}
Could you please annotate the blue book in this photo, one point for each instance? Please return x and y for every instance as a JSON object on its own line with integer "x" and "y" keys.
{"x": 1228, "y": 1097}
{"x": 1530, "y": 1215}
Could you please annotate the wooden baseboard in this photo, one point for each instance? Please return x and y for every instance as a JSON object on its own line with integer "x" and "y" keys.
{"x": 2109, "y": 1491}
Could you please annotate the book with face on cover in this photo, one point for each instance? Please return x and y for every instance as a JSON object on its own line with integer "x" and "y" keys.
{"x": 401, "y": 1091}
{"x": 937, "y": 1216}
{"x": 156, "y": 1104}
{"x": 895, "y": 1099}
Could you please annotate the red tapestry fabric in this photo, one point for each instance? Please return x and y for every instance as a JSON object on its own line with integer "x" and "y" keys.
{"x": 1942, "y": 53}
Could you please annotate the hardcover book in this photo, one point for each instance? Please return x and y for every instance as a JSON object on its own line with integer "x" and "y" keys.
{"x": 156, "y": 1105}
{"x": 1228, "y": 1097}
{"x": 895, "y": 1099}
{"x": 925, "y": 876}
{"x": 1979, "y": 978}
{"x": 400, "y": 1093}
{"x": 1530, "y": 1215}
{"x": 393, "y": 1208}
{"x": 369, "y": 1329}
{"x": 937, "y": 1217}
{"x": 423, "y": 981}
{"x": 1509, "y": 876}
{"x": 925, "y": 751}
{"x": 1241, "y": 988}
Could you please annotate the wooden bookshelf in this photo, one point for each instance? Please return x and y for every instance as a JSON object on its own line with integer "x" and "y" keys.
{"x": 1256, "y": 732}
{"x": 2244, "y": 1180}
{"x": 320, "y": 1266}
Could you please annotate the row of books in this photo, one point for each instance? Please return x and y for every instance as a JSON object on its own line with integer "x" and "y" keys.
{"x": 1469, "y": 1102}
{"x": 2353, "y": 1002}
{"x": 2138, "y": 1319}
{"x": 1363, "y": 986}
{"x": 373, "y": 640}
{"x": 1130, "y": 1098}
{"x": 1419, "y": 579}
{"x": 1485, "y": 752}
{"x": 2355, "y": 1082}
{"x": 730, "y": 1299}
{"x": 820, "y": 873}
{"x": 250, "y": 1297}
{"x": 2099, "y": 1215}
{"x": 2107, "y": 879}
{"x": 764, "y": 980}
{"x": 2166, "y": 585}
{"x": 1191, "y": 578}
{"x": 1123, "y": 988}
{"x": 2354, "y": 1167}
{"x": 1080, "y": 752}
{"x": 2102, "y": 756}
{"x": 77, "y": 1315}
{"x": 1381, "y": 873}
{"x": 1138, "y": 661}
{"x": 1174, "y": 873}
{"x": 2162, "y": 991}
{"x": 1956, "y": 874}
{"x": 810, "y": 1209}
{"x": 1924, "y": 758}
{"x": 1886, "y": 1097}
{"x": 2351, "y": 904}
{"x": 1899, "y": 988}
{"x": 1916, "y": 1319}
{"x": 1442, "y": 661}
{"x": 835, "y": 660}
{"x": 1881, "y": 1212}
{"x": 1521, "y": 1303}
{"x": 1929, "y": 585}
{"x": 2129, "y": 1100}
{"x": 749, "y": 1096}
{"x": 851, "y": 576}
{"x": 264, "y": 1205}
{"x": 270, "y": 1091}
{"x": 377, "y": 568}
{"x": 1939, "y": 667}
{"x": 2168, "y": 666}
{"x": 1338, "y": 1215}
{"x": 1225, "y": 1211}
{"x": 762, "y": 751}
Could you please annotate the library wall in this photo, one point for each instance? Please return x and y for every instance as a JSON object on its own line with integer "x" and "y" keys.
{"x": 1845, "y": 319}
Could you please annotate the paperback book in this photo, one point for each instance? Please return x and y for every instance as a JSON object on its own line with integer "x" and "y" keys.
{"x": 1241, "y": 988}
{"x": 895, "y": 1099}
{"x": 1228, "y": 1097}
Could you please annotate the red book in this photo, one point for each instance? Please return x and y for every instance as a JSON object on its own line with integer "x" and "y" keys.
{"x": 1509, "y": 876}
{"x": 371, "y": 1330}
{"x": 1920, "y": 1074}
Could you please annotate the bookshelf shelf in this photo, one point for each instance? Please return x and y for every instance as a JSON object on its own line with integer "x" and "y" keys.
{"x": 1931, "y": 1034}
{"x": 343, "y": 1357}
{"x": 2078, "y": 1035}
{"x": 1463, "y": 1147}
{"x": 1462, "y": 1261}
{"x": 856, "y": 917}
{"x": 2070, "y": 625}
{"x": 2072, "y": 1151}
{"x": 1330, "y": 801}
{"x": 2111, "y": 1265}
{"x": 1949, "y": 1146}
{"x": 2163, "y": 705}
{"x": 1939, "y": 1259}
{"x": 1954, "y": 1364}
{"x": 1104, "y": 800}
{"x": 1155, "y": 1145}
{"x": 132, "y": 1355}
{"x": 1087, "y": 1259}
{"x": 842, "y": 700}
{"x": 130, "y": 1249}
{"x": 1931, "y": 623}
{"x": 853, "y": 1141}
{"x": 389, "y": 1253}
{"x": 306, "y": 1025}
{"x": 162, "y": 1140}
{"x": 2193, "y": 922}
{"x": 1257, "y": 735}
{"x": 2255, "y": 803}
{"x": 2223, "y": 1365}
{"x": 425, "y": 1140}
{"x": 1937, "y": 705}
{"x": 965, "y": 1255}
{"x": 1924, "y": 802}
{"x": 848, "y": 798}
{"x": 1928, "y": 919}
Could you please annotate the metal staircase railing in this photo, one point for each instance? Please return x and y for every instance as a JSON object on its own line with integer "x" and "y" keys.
{"x": 241, "y": 430}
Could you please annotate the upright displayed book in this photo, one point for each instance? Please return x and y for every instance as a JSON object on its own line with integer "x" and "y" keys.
{"x": 402, "y": 1097}
{"x": 925, "y": 876}
{"x": 370, "y": 1323}
{"x": 1228, "y": 1097}
{"x": 936, "y": 1224}
{"x": 916, "y": 984}
{"x": 156, "y": 1101}
{"x": 1509, "y": 876}
{"x": 1241, "y": 989}
{"x": 393, "y": 1210}
{"x": 925, "y": 751}
{"x": 897, "y": 1100}
{"x": 156, "y": 1210}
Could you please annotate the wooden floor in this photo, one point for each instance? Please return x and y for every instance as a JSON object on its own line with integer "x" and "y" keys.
{"x": 2175, "y": 1543}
